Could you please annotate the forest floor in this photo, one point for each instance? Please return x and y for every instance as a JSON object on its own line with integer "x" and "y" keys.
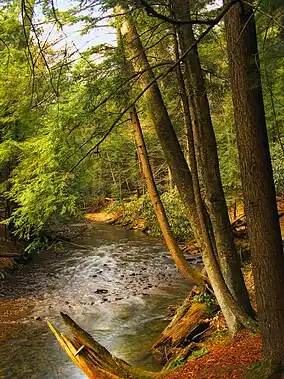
{"x": 228, "y": 358}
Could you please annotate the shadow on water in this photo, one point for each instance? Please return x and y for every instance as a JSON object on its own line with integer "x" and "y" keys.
{"x": 119, "y": 290}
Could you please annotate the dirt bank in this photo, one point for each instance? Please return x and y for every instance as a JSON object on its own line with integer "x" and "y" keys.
{"x": 102, "y": 216}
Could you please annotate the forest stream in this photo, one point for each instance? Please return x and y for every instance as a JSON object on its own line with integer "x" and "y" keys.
{"x": 119, "y": 289}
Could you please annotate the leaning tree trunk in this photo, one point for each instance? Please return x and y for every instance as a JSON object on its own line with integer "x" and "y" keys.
{"x": 257, "y": 180}
{"x": 193, "y": 158}
{"x": 184, "y": 267}
{"x": 178, "y": 165}
{"x": 215, "y": 199}
{"x": 159, "y": 115}
{"x": 188, "y": 272}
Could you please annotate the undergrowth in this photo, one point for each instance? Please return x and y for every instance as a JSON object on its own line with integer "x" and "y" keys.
{"x": 140, "y": 211}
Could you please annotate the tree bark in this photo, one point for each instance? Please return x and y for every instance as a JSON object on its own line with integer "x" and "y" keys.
{"x": 179, "y": 167}
{"x": 184, "y": 267}
{"x": 205, "y": 140}
{"x": 257, "y": 180}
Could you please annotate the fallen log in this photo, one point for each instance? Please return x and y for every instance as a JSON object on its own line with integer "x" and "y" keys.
{"x": 190, "y": 321}
{"x": 95, "y": 360}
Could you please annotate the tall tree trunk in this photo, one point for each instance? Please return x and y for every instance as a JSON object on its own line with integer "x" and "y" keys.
{"x": 177, "y": 163}
{"x": 159, "y": 115}
{"x": 209, "y": 256}
{"x": 184, "y": 267}
{"x": 215, "y": 199}
{"x": 257, "y": 180}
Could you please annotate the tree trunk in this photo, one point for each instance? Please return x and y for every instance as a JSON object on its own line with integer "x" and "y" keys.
{"x": 159, "y": 115}
{"x": 215, "y": 199}
{"x": 179, "y": 167}
{"x": 184, "y": 267}
{"x": 230, "y": 308}
{"x": 257, "y": 180}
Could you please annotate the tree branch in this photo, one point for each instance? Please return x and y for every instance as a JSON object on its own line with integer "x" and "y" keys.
{"x": 152, "y": 12}
{"x": 158, "y": 77}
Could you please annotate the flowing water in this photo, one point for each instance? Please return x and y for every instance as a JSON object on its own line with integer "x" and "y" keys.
{"x": 118, "y": 289}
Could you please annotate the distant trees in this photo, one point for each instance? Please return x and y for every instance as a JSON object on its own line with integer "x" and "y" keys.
{"x": 35, "y": 125}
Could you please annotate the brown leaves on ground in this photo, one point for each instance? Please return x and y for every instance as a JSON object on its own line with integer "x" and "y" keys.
{"x": 228, "y": 359}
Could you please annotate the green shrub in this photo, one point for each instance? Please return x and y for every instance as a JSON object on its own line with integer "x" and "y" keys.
{"x": 176, "y": 213}
{"x": 142, "y": 209}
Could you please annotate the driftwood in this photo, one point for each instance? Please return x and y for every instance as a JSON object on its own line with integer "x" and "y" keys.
{"x": 177, "y": 341}
{"x": 93, "y": 359}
